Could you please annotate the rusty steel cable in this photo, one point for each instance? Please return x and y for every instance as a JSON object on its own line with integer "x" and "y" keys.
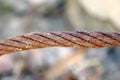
{"x": 74, "y": 39}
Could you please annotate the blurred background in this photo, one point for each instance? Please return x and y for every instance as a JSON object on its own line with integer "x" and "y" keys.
{"x": 59, "y": 63}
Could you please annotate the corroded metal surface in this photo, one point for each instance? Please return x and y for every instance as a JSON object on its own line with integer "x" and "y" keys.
{"x": 74, "y": 39}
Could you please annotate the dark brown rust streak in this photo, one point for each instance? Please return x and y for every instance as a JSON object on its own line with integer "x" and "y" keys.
{"x": 74, "y": 39}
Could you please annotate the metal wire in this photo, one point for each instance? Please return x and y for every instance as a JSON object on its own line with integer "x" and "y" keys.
{"x": 74, "y": 39}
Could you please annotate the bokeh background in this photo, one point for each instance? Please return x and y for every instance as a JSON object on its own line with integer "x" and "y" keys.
{"x": 59, "y": 63}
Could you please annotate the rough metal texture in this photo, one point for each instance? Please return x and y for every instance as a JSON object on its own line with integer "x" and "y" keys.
{"x": 74, "y": 39}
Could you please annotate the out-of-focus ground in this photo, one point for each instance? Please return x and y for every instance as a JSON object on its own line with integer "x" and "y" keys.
{"x": 24, "y": 16}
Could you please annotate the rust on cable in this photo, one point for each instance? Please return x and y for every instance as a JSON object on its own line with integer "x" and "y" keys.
{"x": 74, "y": 39}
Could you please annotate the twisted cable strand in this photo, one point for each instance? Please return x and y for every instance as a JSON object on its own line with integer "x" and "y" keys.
{"x": 74, "y": 39}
